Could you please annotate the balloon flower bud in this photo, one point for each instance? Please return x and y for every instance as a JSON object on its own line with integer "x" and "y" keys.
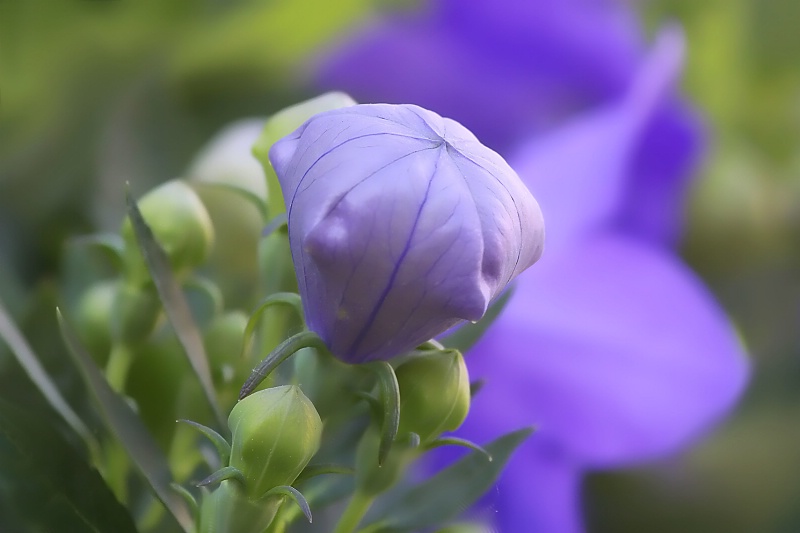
{"x": 93, "y": 317}
{"x": 434, "y": 394}
{"x": 275, "y": 432}
{"x": 401, "y": 226}
{"x": 180, "y": 224}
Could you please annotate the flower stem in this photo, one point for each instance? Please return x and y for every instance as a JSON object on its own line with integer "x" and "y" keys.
{"x": 355, "y": 511}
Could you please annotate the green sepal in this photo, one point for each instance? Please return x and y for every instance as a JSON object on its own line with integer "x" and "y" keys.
{"x": 188, "y": 497}
{"x": 295, "y": 495}
{"x": 319, "y": 470}
{"x": 226, "y": 473}
{"x": 219, "y": 442}
{"x": 304, "y": 339}
{"x": 281, "y": 298}
{"x": 390, "y": 406}
{"x": 455, "y": 441}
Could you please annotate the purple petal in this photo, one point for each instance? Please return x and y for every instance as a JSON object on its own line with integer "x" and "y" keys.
{"x": 505, "y": 70}
{"x": 539, "y": 491}
{"x": 401, "y": 225}
{"x": 614, "y": 350}
{"x": 581, "y": 174}
{"x": 660, "y": 175}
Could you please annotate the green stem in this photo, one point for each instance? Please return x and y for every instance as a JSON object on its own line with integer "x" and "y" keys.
{"x": 355, "y": 511}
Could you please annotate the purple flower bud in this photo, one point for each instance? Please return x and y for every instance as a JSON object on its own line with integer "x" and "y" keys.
{"x": 401, "y": 226}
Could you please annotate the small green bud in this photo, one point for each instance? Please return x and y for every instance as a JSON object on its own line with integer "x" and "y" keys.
{"x": 93, "y": 317}
{"x": 275, "y": 432}
{"x": 434, "y": 394}
{"x": 224, "y": 337}
{"x": 181, "y": 225}
{"x": 135, "y": 313}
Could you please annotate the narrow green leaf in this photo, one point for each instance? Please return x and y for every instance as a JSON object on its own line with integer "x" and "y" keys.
{"x": 226, "y": 473}
{"x": 304, "y": 339}
{"x": 281, "y": 298}
{"x": 295, "y": 495}
{"x": 30, "y": 363}
{"x": 219, "y": 442}
{"x": 455, "y": 441}
{"x": 187, "y": 496}
{"x": 128, "y": 429}
{"x": 390, "y": 403}
{"x": 468, "y": 335}
{"x": 319, "y": 470}
{"x": 63, "y": 479}
{"x": 175, "y": 305}
{"x": 446, "y": 495}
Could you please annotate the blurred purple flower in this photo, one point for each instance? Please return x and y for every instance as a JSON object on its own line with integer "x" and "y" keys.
{"x": 401, "y": 225}
{"x": 611, "y": 346}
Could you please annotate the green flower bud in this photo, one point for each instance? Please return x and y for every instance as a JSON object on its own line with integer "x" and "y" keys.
{"x": 93, "y": 318}
{"x": 180, "y": 224}
{"x": 275, "y": 432}
{"x": 224, "y": 337}
{"x": 135, "y": 313}
{"x": 434, "y": 394}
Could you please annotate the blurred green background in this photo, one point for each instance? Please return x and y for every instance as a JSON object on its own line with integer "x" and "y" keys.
{"x": 94, "y": 93}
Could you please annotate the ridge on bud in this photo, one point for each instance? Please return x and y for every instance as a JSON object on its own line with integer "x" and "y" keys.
{"x": 275, "y": 432}
{"x": 402, "y": 225}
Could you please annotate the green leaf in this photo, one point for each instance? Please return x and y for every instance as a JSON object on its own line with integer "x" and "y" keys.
{"x": 128, "y": 429}
{"x": 456, "y": 441}
{"x": 318, "y": 470}
{"x": 451, "y": 491}
{"x": 30, "y": 363}
{"x": 74, "y": 494}
{"x": 468, "y": 335}
{"x": 175, "y": 305}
